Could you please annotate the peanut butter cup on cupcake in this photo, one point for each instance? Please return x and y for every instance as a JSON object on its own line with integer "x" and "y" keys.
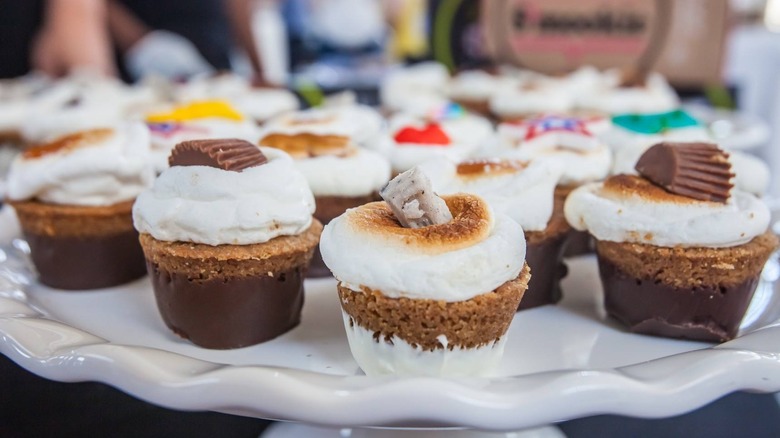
{"x": 680, "y": 250}
{"x": 428, "y": 285}
{"x": 325, "y": 145}
{"x": 523, "y": 190}
{"x": 73, "y": 197}
{"x": 228, "y": 233}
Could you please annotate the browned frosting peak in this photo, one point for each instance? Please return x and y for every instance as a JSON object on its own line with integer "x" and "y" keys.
{"x": 68, "y": 143}
{"x": 226, "y": 154}
{"x": 697, "y": 170}
{"x": 632, "y": 185}
{"x": 306, "y": 145}
{"x": 483, "y": 167}
{"x": 470, "y": 224}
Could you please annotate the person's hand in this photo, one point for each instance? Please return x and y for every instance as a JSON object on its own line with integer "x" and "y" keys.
{"x": 74, "y": 36}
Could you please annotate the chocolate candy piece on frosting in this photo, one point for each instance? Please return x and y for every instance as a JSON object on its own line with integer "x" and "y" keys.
{"x": 413, "y": 201}
{"x": 226, "y": 154}
{"x": 696, "y": 170}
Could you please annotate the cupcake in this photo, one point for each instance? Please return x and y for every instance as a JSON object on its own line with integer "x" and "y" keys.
{"x": 73, "y": 197}
{"x": 427, "y": 285}
{"x": 473, "y": 89}
{"x": 324, "y": 144}
{"x": 257, "y": 103}
{"x": 207, "y": 119}
{"x": 622, "y": 92}
{"x": 567, "y": 141}
{"x": 83, "y": 102}
{"x": 227, "y": 232}
{"x": 449, "y": 132}
{"x": 524, "y": 191}
{"x": 533, "y": 94}
{"x": 680, "y": 250}
{"x": 416, "y": 89}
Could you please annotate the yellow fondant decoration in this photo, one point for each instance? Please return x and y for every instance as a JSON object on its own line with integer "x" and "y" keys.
{"x": 204, "y": 109}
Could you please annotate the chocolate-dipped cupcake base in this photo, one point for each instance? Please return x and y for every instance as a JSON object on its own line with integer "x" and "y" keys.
{"x": 544, "y": 255}
{"x": 77, "y": 248}
{"x": 693, "y": 293}
{"x": 229, "y": 312}
{"x": 230, "y": 296}
{"x": 329, "y": 208}
{"x": 579, "y": 242}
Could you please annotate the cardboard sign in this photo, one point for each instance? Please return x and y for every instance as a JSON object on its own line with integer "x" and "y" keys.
{"x": 683, "y": 39}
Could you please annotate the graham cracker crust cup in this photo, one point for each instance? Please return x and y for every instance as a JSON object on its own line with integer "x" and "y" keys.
{"x": 579, "y": 242}
{"x": 230, "y": 296}
{"x": 544, "y": 255}
{"x": 329, "y": 208}
{"x": 77, "y": 247}
{"x": 693, "y": 293}
{"x": 468, "y": 324}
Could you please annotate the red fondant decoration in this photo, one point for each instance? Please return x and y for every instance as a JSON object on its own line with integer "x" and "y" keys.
{"x": 431, "y": 134}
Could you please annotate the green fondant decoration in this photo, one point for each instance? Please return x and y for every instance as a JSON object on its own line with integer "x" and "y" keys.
{"x": 655, "y": 123}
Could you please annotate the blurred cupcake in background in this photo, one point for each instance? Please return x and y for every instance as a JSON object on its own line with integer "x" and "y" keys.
{"x": 325, "y": 145}
{"x": 206, "y": 119}
{"x": 256, "y": 103}
{"x": 448, "y": 132}
{"x": 524, "y": 191}
{"x": 623, "y": 91}
{"x": 567, "y": 141}
{"x": 532, "y": 94}
{"x": 416, "y": 89}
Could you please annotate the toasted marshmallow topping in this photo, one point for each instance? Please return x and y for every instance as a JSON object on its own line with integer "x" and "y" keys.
{"x": 324, "y": 143}
{"x": 219, "y": 207}
{"x": 631, "y": 209}
{"x": 523, "y": 190}
{"x": 92, "y": 168}
{"x": 472, "y": 255}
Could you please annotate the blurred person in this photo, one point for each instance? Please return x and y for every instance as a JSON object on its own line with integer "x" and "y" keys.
{"x": 168, "y": 37}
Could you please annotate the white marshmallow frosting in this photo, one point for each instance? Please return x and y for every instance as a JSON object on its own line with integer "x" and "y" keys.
{"x": 359, "y": 257}
{"x": 99, "y": 171}
{"x": 526, "y": 194}
{"x": 615, "y": 217}
{"x": 360, "y": 173}
{"x": 218, "y": 207}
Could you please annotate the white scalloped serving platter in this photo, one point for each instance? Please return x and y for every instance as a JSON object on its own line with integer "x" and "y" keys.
{"x": 561, "y": 362}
